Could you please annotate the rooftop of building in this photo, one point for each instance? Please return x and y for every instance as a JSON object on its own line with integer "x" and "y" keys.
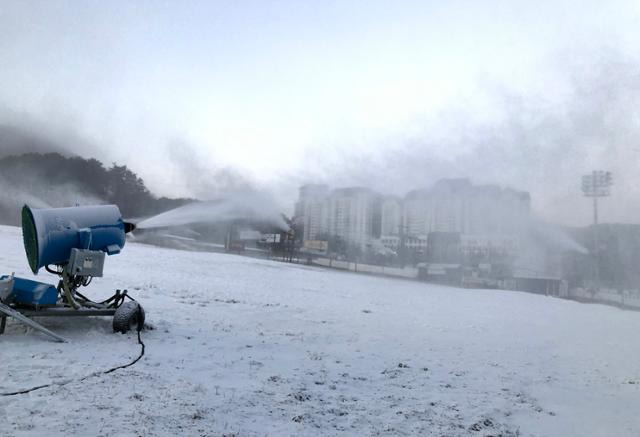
{"x": 449, "y": 186}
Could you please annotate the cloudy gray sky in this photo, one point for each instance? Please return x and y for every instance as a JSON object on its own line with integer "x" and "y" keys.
{"x": 199, "y": 96}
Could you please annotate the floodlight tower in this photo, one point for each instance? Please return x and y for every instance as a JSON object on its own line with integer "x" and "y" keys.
{"x": 595, "y": 185}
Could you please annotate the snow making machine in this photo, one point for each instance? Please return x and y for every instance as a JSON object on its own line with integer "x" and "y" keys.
{"x": 70, "y": 243}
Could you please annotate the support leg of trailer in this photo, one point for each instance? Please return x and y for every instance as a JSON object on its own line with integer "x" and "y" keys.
{"x": 3, "y": 323}
{"x": 10, "y": 312}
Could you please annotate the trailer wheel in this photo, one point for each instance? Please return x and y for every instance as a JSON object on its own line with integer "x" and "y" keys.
{"x": 128, "y": 315}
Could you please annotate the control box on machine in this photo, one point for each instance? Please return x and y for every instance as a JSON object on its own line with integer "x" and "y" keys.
{"x": 84, "y": 262}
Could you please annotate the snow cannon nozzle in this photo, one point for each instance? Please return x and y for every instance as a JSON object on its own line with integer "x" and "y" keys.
{"x": 129, "y": 227}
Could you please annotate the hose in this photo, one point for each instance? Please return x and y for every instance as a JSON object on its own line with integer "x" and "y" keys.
{"x": 67, "y": 291}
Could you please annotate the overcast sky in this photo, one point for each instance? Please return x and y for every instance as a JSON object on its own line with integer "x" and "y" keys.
{"x": 195, "y": 96}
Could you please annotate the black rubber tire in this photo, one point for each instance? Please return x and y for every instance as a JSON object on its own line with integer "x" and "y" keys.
{"x": 128, "y": 315}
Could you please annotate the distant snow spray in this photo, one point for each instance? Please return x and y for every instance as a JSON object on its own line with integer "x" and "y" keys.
{"x": 555, "y": 236}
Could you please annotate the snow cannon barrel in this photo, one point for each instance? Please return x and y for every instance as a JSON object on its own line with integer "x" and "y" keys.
{"x": 50, "y": 234}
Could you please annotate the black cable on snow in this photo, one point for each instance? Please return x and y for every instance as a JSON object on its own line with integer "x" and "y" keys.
{"x": 124, "y": 366}
{"x": 103, "y": 372}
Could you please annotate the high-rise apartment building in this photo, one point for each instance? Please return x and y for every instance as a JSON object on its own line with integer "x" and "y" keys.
{"x": 455, "y": 205}
{"x": 310, "y": 210}
{"x": 390, "y": 216}
{"x": 352, "y": 215}
{"x": 357, "y": 215}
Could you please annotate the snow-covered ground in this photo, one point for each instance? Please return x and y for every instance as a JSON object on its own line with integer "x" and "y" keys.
{"x": 242, "y": 346}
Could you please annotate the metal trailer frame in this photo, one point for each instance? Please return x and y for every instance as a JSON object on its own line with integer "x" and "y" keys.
{"x": 69, "y": 304}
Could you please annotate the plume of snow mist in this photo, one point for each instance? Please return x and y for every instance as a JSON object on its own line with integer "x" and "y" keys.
{"x": 250, "y": 206}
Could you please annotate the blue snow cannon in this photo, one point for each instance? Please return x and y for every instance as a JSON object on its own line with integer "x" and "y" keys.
{"x": 50, "y": 235}
{"x": 75, "y": 241}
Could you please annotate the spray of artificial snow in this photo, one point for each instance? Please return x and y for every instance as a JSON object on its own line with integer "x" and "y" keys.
{"x": 554, "y": 236}
{"x": 252, "y": 206}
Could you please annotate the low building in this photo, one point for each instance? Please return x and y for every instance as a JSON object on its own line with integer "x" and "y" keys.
{"x": 487, "y": 248}
{"x": 390, "y": 242}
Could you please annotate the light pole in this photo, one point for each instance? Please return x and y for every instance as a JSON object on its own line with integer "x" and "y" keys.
{"x": 597, "y": 184}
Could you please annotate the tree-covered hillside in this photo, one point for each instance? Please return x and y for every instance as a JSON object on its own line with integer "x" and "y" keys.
{"x": 53, "y": 180}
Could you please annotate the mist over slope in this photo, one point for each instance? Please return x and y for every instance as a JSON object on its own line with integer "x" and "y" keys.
{"x": 582, "y": 115}
{"x": 17, "y": 141}
{"x": 53, "y": 180}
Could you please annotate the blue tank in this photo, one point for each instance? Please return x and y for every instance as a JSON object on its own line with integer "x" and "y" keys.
{"x": 32, "y": 293}
{"x": 50, "y": 234}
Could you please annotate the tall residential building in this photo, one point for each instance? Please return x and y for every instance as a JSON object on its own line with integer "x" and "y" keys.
{"x": 418, "y": 209}
{"x": 310, "y": 210}
{"x": 359, "y": 215}
{"x": 352, "y": 215}
{"x": 492, "y": 210}
{"x": 450, "y": 205}
{"x": 390, "y": 216}
{"x": 455, "y": 205}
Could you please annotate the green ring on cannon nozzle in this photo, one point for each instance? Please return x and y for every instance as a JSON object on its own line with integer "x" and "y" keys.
{"x": 30, "y": 238}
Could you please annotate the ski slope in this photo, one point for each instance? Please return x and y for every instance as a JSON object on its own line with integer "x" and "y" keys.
{"x": 247, "y": 347}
